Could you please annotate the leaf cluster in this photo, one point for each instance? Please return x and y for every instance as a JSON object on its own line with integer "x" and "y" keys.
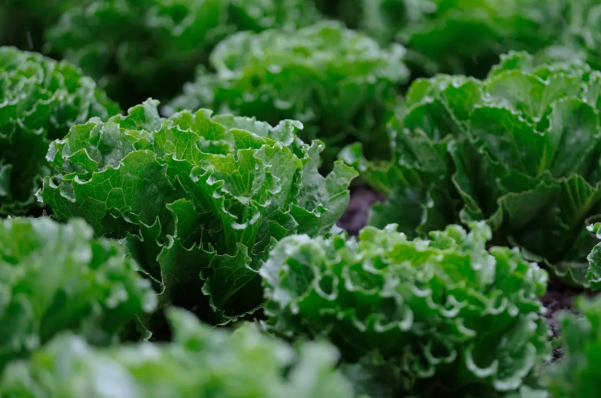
{"x": 440, "y": 317}
{"x": 39, "y": 100}
{"x": 457, "y": 36}
{"x": 55, "y": 277}
{"x": 199, "y": 200}
{"x": 520, "y": 150}
{"x": 200, "y": 363}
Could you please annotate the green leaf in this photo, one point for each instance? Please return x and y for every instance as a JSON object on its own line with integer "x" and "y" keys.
{"x": 415, "y": 211}
{"x": 573, "y": 137}
{"x": 528, "y": 94}
{"x": 509, "y": 140}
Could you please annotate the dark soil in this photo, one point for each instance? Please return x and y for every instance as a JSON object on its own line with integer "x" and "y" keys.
{"x": 558, "y": 298}
{"x": 355, "y": 216}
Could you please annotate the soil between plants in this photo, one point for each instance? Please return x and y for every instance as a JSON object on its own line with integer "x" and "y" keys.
{"x": 558, "y": 298}
{"x": 357, "y": 212}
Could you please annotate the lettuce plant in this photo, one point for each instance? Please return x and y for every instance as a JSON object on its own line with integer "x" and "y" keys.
{"x": 580, "y": 37}
{"x": 200, "y": 200}
{"x": 455, "y": 36}
{"x": 520, "y": 150}
{"x": 340, "y": 84}
{"x": 56, "y": 278}
{"x": 39, "y": 100}
{"x": 445, "y": 316}
{"x": 259, "y": 15}
{"x": 381, "y": 19}
{"x": 594, "y": 259}
{"x": 149, "y": 48}
{"x": 575, "y": 374}
{"x": 201, "y": 362}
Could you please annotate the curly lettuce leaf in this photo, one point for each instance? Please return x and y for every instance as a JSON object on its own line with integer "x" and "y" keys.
{"x": 39, "y": 100}
{"x": 594, "y": 258}
{"x": 201, "y": 360}
{"x": 439, "y": 316}
{"x": 520, "y": 150}
{"x": 56, "y": 278}
{"x": 340, "y": 84}
{"x": 198, "y": 199}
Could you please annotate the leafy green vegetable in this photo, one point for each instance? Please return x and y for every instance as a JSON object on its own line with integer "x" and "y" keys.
{"x": 341, "y": 85}
{"x": 149, "y": 48}
{"x": 520, "y": 150}
{"x": 576, "y": 374}
{"x": 381, "y": 19}
{"x": 459, "y": 36}
{"x": 39, "y": 100}
{"x": 580, "y": 38}
{"x": 55, "y": 278}
{"x": 259, "y": 15}
{"x": 455, "y": 36}
{"x": 201, "y": 362}
{"x": 441, "y": 316}
{"x": 200, "y": 200}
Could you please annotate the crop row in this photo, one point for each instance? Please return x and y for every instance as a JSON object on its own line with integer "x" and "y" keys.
{"x": 191, "y": 249}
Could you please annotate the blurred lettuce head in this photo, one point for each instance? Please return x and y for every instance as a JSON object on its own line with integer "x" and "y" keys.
{"x": 142, "y": 48}
{"x": 243, "y": 364}
{"x": 462, "y": 36}
{"x": 56, "y": 277}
